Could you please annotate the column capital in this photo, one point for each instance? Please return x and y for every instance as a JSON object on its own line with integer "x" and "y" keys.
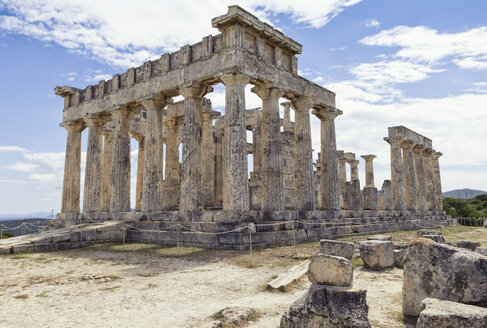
{"x": 234, "y": 79}
{"x": 436, "y": 155}
{"x": 407, "y": 145}
{"x": 354, "y": 163}
{"x": 73, "y": 125}
{"x": 194, "y": 89}
{"x": 123, "y": 111}
{"x": 93, "y": 120}
{"x": 137, "y": 136}
{"x": 156, "y": 102}
{"x": 267, "y": 91}
{"x": 428, "y": 152}
{"x": 302, "y": 103}
{"x": 326, "y": 115}
{"x": 394, "y": 141}
{"x": 369, "y": 157}
{"x": 418, "y": 149}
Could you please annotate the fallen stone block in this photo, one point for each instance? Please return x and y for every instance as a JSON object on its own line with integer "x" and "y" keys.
{"x": 436, "y": 238}
{"x": 286, "y": 278}
{"x": 330, "y": 270}
{"x": 380, "y": 237}
{"x": 446, "y": 314}
{"x": 423, "y": 232}
{"x": 399, "y": 256}
{"x": 481, "y": 250}
{"x": 337, "y": 248}
{"x": 468, "y": 244}
{"x": 237, "y": 315}
{"x": 444, "y": 272}
{"x": 377, "y": 254}
{"x": 328, "y": 306}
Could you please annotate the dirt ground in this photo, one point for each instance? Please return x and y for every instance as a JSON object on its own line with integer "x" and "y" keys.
{"x": 154, "y": 286}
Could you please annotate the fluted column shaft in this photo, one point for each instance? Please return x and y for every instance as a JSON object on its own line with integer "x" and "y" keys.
{"x": 409, "y": 175}
{"x": 397, "y": 175}
{"x": 219, "y": 150}
{"x": 139, "y": 187}
{"x": 330, "y": 194}
{"x": 106, "y": 171}
{"x": 420, "y": 179}
{"x": 304, "y": 187}
{"x": 428, "y": 178}
{"x": 286, "y": 126}
{"x": 208, "y": 161}
{"x": 437, "y": 181}
{"x": 272, "y": 184}
{"x": 354, "y": 170}
{"x": 92, "y": 190}
{"x": 72, "y": 168}
{"x": 342, "y": 174}
{"x": 257, "y": 145}
{"x": 152, "y": 194}
{"x": 172, "y": 183}
{"x": 369, "y": 170}
{"x": 235, "y": 177}
{"x": 120, "y": 195}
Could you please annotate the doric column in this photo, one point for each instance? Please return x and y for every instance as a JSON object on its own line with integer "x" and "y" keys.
{"x": 235, "y": 177}
{"x": 428, "y": 179}
{"x": 106, "y": 170}
{"x": 257, "y": 143}
{"x": 153, "y": 155}
{"x": 139, "y": 187}
{"x": 437, "y": 181}
{"x": 272, "y": 185}
{"x": 369, "y": 170}
{"x": 208, "y": 159}
{"x": 354, "y": 169}
{"x": 342, "y": 171}
{"x": 72, "y": 168}
{"x": 304, "y": 188}
{"x": 191, "y": 197}
{"x": 397, "y": 176}
{"x": 219, "y": 150}
{"x": 409, "y": 175}
{"x": 286, "y": 126}
{"x": 329, "y": 169}
{"x": 92, "y": 191}
{"x": 420, "y": 182}
{"x": 172, "y": 183}
{"x": 120, "y": 195}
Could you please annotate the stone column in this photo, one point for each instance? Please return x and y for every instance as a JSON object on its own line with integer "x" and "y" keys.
{"x": 208, "y": 160}
{"x": 153, "y": 155}
{"x": 420, "y": 182}
{"x": 354, "y": 169}
{"x": 272, "y": 185}
{"x": 120, "y": 195}
{"x": 106, "y": 170}
{"x": 437, "y": 181}
{"x": 304, "y": 191}
{"x": 428, "y": 178}
{"x": 191, "y": 197}
{"x": 409, "y": 175}
{"x": 286, "y": 126}
{"x": 329, "y": 169}
{"x": 219, "y": 150}
{"x": 139, "y": 187}
{"x": 92, "y": 191}
{"x": 72, "y": 168}
{"x": 235, "y": 177}
{"x": 257, "y": 146}
{"x": 172, "y": 183}
{"x": 397, "y": 176}
{"x": 369, "y": 170}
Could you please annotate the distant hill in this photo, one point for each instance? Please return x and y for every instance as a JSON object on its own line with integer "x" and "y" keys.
{"x": 37, "y": 215}
{"x": 463, "y": 193}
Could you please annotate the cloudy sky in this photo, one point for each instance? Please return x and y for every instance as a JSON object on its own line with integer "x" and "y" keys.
{"x": 422, "y": 64}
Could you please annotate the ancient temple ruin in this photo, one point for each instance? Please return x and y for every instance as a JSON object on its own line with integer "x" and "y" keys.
{"x": 210, "y": 192}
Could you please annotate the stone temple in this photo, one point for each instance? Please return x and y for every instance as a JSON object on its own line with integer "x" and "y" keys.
{"x": 205, "y": 194}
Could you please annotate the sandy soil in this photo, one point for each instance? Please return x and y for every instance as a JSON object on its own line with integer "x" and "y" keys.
{"x": 151, "y": 286}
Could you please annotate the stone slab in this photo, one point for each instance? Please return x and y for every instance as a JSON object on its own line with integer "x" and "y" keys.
{"x": 291, "y": 275}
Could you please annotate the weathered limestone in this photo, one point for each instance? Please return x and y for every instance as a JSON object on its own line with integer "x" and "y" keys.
{"x": 428, "y": 179}
{"x": 172, "y": 182}
{"x": 208, "y": 156}
{"x": 72, "y": 168}
{"x": 386, "y": 201}
{"x": 120, "y": 180}
{"x": 330, "y": 270}
{"x": 106, "y": 170}
{"x": 303, "y": 156}
{"x": 445, "y": 314}
{"x": 369, "y": 170}
{"x": 271, "y": 166}
{"x": 219, "y": 154}
{"x": 468, "y": 244}
{"x": 92, "y": 190}
{"x": 437, "y": 181}
{"x": 353, "y": 197}
{"x": 354, "y": 169}
{"x": 444, "y": 272}
{"x": 286, "y": 126}
{"x": 342, "y": 171}
{"x": 191, "y": 175}
{"x": 409, "y": 175}
{"x": 377, "y": 254}
{"x": 329, "y": 169}
{"x": 235, "y": 181}
{"x": 293, "y": 274}
{"x": 139, "y": 187}
{"x": 420, "y": 181}
{"x": 337, "y": 248}
{"x": 397, "y": 177}
{"x": 370, "y": 199}
{"x": 153, "y": 155}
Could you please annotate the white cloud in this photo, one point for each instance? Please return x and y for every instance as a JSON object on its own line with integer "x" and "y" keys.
{"x": 423, "y": 44}
{"x": 372, "y": 22}
{"x": 22, "y": 167}
{"x": 46, "y": 160}
{"x": 50, "y": 177}
{"x": 129, "y": 33}
{"x": 13, "y": 149}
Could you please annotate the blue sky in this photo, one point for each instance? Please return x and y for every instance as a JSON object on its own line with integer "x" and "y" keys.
{"x": 422, "y": 64}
